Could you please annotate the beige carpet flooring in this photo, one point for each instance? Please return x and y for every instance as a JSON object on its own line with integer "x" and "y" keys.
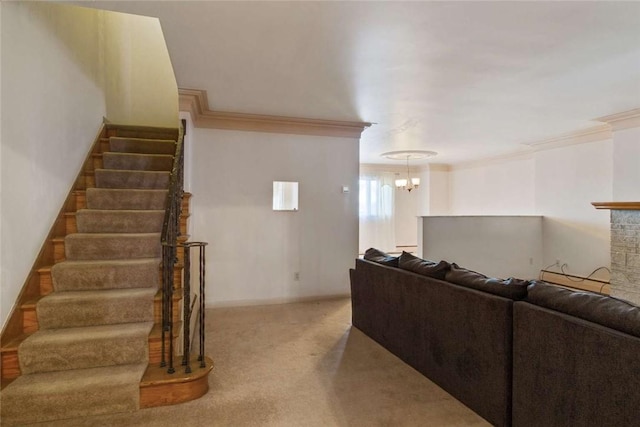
{"x": 301, "y": 364}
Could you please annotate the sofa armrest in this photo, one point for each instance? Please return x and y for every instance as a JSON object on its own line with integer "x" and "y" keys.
{"x": 570, "y": 371}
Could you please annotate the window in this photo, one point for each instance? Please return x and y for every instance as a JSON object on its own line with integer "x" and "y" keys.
{"x": 285, "y": 196}
{"x": 376, "y": 198}
{"x": 377, "y": 228}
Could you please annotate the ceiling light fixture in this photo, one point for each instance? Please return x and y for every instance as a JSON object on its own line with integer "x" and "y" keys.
{"x": 409, "y": 183}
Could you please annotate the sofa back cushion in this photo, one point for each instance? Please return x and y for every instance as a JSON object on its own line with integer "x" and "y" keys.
{"x": 409, "y": 262}
{"x": 515, "y": 289}
{"x": 604, "y": 310}
{"x": 376, "y": 255}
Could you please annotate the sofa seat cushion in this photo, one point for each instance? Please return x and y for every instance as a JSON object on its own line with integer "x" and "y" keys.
{"x": 376, "y": 255}
{"x": 515, "y": 289}
{"x": 604, "y": 310}
{"x": 437, "y": 270}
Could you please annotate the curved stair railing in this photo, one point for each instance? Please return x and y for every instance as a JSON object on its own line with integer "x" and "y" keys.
{"x": 173, "y": 243}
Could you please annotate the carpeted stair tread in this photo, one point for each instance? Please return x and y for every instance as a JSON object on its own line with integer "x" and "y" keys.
{"x": 110, "y": 198}
{"x": 103, "y": 246}
{"x": 142, "y": 146}
{"x": 136, "y": 161}
{"x": 119, "y": 221}
{"x": 113, "y": 178}
{"x": 50, "y": 350}
{"x": 109, "y": 274}
{"x": 92, "y": 308}
{"x": 68, "y": 394}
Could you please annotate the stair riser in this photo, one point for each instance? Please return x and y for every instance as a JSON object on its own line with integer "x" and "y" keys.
{"x": 96, "y": 161}
{"x": 82, "y": 203}
{"x": 87, "y": 180}
{"x": 80, "y": 198}
{"x": 123, "y": 161}
{"x": 88, "y": 221}
{"x": 142, "y": 146}
{"x": 107, "y": 280}
{"x": 143, "y": 134}
{"x": 104, "y": 145}
{"x": 152, "y": 225}
{"x": 112, "y": 248}
{"x": 70, "y": 277}
{"x": 106, "y": 178}
{"x": 58, "y": 250}
{"x": 93, "y": 313}
{"x": 46, "y": 283}
{"x": 124, "y": 199}
{"x": 60, "y": 253}
{"x": 157, "y": 310}
{"x": 31, "y": 321}
{"x": 113, "y": 391}
{"x": 10, "y": 365}
{"x": 70, "y": 223}
{"x": 107, "y": 352}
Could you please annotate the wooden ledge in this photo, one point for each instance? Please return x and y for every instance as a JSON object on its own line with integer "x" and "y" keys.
{"x": 576, "y": 282}
{"x": 195, "y": 102}
{"x": 158, "y": 388}
{"x": 627, "y": 206}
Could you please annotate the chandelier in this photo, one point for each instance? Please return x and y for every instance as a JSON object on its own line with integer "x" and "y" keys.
{"x": 408, "y": 183}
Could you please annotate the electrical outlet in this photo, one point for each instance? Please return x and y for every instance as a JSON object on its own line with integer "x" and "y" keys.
{"x": 296, "y": 275}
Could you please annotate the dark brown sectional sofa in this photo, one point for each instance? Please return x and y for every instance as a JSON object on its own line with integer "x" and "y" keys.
{"x": 517, "y": 353}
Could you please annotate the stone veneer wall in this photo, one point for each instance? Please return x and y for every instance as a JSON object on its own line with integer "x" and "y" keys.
{"x": 625, "y": 255}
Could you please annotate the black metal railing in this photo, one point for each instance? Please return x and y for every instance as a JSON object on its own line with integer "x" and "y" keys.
{"x": 171, "y": 245}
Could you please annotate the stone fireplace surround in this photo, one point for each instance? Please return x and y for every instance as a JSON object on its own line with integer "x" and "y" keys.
{"x": 625, "y": 249}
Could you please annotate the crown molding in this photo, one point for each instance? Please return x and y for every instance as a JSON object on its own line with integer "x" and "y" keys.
{"x": 624, "y": 120}
{"x": 195, "y": 102}
{"x": 592, "y": 134}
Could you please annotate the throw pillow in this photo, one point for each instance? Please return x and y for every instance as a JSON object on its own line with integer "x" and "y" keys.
{"x": 605, "y": 310}
{"x": 437, "y": 270}
{"x": 376, "y": 255}
{"x": 511, "y": 288}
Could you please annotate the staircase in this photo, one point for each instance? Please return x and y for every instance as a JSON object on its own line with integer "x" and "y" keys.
{"x": 89, "y": 340}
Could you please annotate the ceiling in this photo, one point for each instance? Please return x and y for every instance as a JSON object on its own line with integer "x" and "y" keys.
{"x": 468, "y": 80}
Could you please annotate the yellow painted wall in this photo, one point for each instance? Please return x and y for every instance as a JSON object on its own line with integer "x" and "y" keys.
{"x": 139, "y": 83}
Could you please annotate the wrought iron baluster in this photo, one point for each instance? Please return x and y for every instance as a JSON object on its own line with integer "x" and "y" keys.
{"x": 201, "y": 313}
{"x": 171, "y": 231}
{"x": 187, "y": 308}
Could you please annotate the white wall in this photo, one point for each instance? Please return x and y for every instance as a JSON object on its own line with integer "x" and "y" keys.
{"x": 559, "y": 184}
{"x": 497, "y": 188}
{"x": 498, "y": 246}
{"x": 439, "y": 191}
{"x": 254, "y": 251}
{"x": 567, "y": 181}
{"x": 626, "y": 160}
{"x": 56, "y": 60}
{"x": 52, "y": 106}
